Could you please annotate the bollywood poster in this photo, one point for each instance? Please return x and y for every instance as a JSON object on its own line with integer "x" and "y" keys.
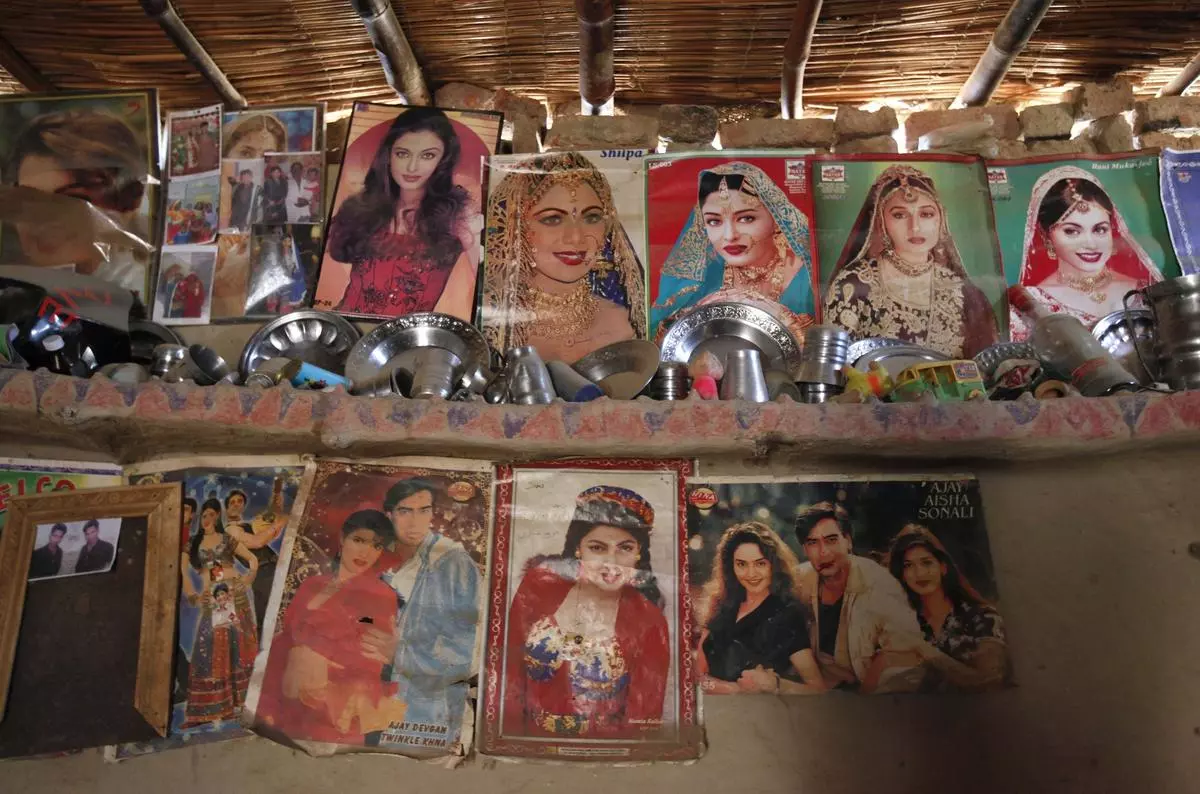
{"x": 100, "y": 147}
{"x": 29, "y": 476}
{"x": 874, "y": 585}
{"x": 372, "y": 640}
{"x": 908, "y": 251}
{"x": 1180, "y": 189}
{"x": 408, "y": 212}
{"x": 234, "y": 513}
{"x": 589, "y": 635}
{"x": 564, "y": 244}
{"x": 1080, "y": 232}
{"x": 731, "y": 227}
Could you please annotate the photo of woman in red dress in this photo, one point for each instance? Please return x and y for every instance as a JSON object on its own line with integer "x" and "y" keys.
{"x": 320, "y": 683}
{"x": 588, "y": 644}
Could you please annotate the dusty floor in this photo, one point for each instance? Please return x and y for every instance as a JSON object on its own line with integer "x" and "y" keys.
{"x": 1097, "y": 587}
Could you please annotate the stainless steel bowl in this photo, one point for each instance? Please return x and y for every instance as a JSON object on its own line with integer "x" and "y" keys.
{"x": 317, "y": 337}
{"x": 621, "y": 369}
{"x": 392, "y": 346}
{"x": 1122, "y": 334}
{"x": 721, "y": 328}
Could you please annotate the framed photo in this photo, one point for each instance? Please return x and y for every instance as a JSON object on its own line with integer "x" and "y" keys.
{"x": 185, "y": 285}
{"x": 191, "y": 216}
{"x": 869, "y": 584}
{"x": 119, "y": 626}
{"x": 195, "y": 140}
{"x": 589, "y": 636}
{"x": 230, "y": 536}
{"x": 250, "y": 134}
{"x": 104, "y": 149}
{"x": 565, "y": 249}
{"x": 371, "y": 637}
{"x": 292, "y": 188}
{"x": 381, "y": 265}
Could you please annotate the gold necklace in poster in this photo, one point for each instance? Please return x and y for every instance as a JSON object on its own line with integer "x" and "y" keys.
{"x": 906, "y": 267}
{"x": 1092, "y": 286}
{"x": 568, "y": 317}
{"x": 765, "y": 279}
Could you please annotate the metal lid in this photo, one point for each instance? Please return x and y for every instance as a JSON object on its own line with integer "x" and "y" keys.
{"x": 1174, "y": 286}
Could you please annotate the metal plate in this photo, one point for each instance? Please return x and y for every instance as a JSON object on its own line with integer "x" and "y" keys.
{"x": 319, "y": 338}
{"x": 861, "y": 347}
{"x": 1121, "y": 335}
{"x": 991, "y": 357}
{"x": 622, "y": 369}
{"x": 898, "y": 358}
{"x": 391, "y": 345}
{"x": 720, "y": 328}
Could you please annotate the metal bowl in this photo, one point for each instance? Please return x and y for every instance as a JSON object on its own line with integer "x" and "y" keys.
{"x": 622, "y": 369}
{"x": 721, "y": 328}
{"x": 206, "y": 366}
{"x": 144, "y": 336}
{"x": 898, "y": 358}
{"x": 861, "y": 347}
{"x": 992, "y": 357}
{"x": 319, "y": 338}
{"x": 393, "y": 345}
{"x": 1123, "y": 333}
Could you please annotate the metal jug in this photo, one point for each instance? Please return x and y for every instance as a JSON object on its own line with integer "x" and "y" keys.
{"x": 1175, "y": 304}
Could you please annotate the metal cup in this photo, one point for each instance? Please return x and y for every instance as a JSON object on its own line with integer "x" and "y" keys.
{"x": 744, "y": 379}
{"x": 570, "y": 385}
{"x": 670, "y": 382}
{"x": 167, "y": 358}
{"x": 824, "y": 358}
{"x": 814, "y": 393}
{"x": 528, "y": 379}
{"x": 434, "y": 374}
{"x": 206, "y": 367}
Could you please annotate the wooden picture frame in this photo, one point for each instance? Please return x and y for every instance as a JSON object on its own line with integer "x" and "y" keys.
{"x": 159, "y": 506}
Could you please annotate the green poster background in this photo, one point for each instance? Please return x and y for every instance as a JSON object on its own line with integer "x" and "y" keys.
{"x": 1131, "y": 182}
{"x": 27, "y": 478}
{"x": 963, "y": 191}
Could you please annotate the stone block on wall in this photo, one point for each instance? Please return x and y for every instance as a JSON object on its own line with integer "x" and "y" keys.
{"x": 1048, "y": 121}
{"x": 878, "y": 144}
{"x": 1073, "y": 146}
{"x": 1011, "y": 150}
{"x": 1004, "y": 122}
{"x": 851, "y": 123}
{"x": 1111, "y": 134}
{"x": 1098, "y": 100}
{"x": 778, "y": 134}
{"x": 603, "y": 132}
{"x": 687, "y": 123}
{"x": 526, "y": 133}
{"x": 464, "y": 96}
{"x": 512, "y": 105}
{"x": 1164, "y": 113}
{"x": 1167, "y": 140}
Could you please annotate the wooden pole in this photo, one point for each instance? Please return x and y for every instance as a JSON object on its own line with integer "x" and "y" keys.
{"x": 162, "y": 12}
{"x": 1179, "y": 83}
{"x": 795, "y": 57}
{"x": 25, "y": 72}
{"x": 1010, "y": 38}
{"x": 596, "y": 82}
{"x": 400, "y": 65}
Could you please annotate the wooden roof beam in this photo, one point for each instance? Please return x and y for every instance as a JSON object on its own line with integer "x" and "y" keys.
{"x": 597, "y": 85}
{"x": 25, "y": 73}
{"x": 400, "y": 65}
{"x": 795, "y": 57}
{"x": 162, "y": 12}
{"x": 1010, "y": 38}
{"x": 1182, "y": 81}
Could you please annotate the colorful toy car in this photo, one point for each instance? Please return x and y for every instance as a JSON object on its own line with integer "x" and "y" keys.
{"x": 945, "y": 380}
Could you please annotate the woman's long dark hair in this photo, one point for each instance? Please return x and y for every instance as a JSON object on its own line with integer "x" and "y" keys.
{"x": 954, "y": 584}
{"x": 198, "y": 537}
{"x": 644, "y": 582}
{"x": 373, "y": 520}
{"x": 725, "y": 593}
{"x": 365, "y": 214}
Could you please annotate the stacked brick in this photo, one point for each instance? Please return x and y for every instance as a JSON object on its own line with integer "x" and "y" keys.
{"x": 1172, "y": 122}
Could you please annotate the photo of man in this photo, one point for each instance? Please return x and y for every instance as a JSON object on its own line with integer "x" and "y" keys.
{"x": 293, "y": 188}
{"x": 47, "y": 560}
{"x": 241, "y": 193}
{"x": 195, "y": 140}
{"x": 96, "y": 554}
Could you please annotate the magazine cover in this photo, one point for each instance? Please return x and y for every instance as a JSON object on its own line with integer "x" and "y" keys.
{"x": 101, "y": 147}
{"x": 866, "y": 584}
{"x": 1080, "y": 232}
{"x": 28, "y": 476}
{"x": 1180, "y": 187}
{"x": 564, "y": 245}
{"x": 589, "y": 635}
{"x": 735, "y": 226}
{"x": 371, "y": 643}
{"x": 908, "y": 250}
{"x": 234, "y": 513}
{"x": 408, "y": 212}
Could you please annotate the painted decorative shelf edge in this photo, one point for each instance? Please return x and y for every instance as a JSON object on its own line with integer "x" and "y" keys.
{"x": 153, "y": 418}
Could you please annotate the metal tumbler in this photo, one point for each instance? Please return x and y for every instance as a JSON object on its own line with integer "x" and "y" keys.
{"x": 744, "y": 378}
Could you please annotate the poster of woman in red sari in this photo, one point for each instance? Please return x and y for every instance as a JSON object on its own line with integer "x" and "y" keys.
{"x": 584, "y": 660}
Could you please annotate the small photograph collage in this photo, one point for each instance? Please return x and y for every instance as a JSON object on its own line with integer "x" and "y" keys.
{"x": 561, "y": 610}
{"x": 243, "y": 221}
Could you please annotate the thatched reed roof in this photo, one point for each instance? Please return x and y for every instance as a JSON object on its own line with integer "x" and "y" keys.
{"x": 666, "y": 50}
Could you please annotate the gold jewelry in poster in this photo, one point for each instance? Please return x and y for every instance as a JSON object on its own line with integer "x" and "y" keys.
{"x": 723, "y": 191}
{"x": 568, "y": 316}
{"x": 907, "y": 268}
{"x": 766, "y": 279}
{"x": 1092, "y": 286}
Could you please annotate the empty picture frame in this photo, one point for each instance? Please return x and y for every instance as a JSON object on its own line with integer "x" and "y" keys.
{"x": 87, "y": 660}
